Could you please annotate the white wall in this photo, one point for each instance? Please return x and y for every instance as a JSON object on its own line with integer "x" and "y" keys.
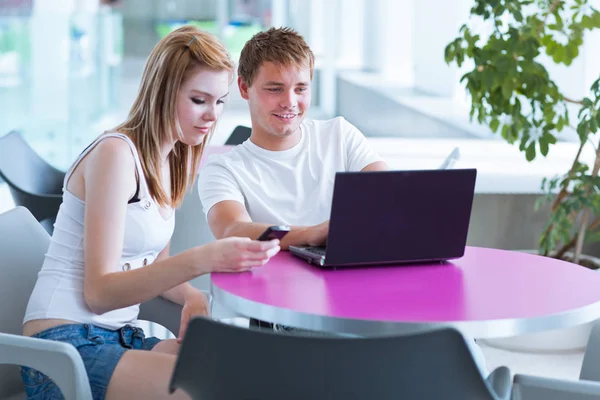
{"x": 349, "y": 40}
{"x": 434, "y": 30}
{"x": 399, "y": 46}
{"x": 436, "y": 23}
{"x": 388, "y": 46}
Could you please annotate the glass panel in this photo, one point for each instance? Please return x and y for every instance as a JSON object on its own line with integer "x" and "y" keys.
{"x": 242, "y": 19}
{"x": 58, "y": 77}
{"x": 70, "y": 70}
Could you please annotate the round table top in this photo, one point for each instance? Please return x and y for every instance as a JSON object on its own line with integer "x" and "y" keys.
{"x": 486, "y": 293}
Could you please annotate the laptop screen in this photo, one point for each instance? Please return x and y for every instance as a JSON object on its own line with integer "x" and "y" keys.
{"x": 388, "y": 216}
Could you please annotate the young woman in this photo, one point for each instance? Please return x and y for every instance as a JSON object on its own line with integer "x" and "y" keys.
{"x": 110, "y": 247}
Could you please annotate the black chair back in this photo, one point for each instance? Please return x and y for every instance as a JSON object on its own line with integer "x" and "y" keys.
{"x": 218, "y": 361}
{"x": 239, "y": 135}
{"x": 33, "y": 183}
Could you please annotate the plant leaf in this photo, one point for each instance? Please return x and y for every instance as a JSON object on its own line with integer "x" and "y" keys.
{"x": 494, "y": 123}
{"x": 530, "y": 152}
{"x": 543, "y": 146}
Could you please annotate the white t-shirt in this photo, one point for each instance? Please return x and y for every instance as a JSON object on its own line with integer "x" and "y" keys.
{"x": 290, "y": 187}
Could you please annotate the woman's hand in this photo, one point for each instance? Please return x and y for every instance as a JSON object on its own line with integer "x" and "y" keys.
{"x": 195, "y": 305}
{"x": 236, "y": 254}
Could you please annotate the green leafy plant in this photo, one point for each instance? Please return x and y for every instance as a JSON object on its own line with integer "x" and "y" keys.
{"x": 512, "y": 92}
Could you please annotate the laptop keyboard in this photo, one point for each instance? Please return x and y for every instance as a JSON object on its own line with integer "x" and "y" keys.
{"x": 320, "y": 251}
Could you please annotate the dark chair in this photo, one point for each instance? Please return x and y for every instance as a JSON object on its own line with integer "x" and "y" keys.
{"x": 218, "y": 361}
{"x": 33, "y": 183}
{"x": 239, "y": 135}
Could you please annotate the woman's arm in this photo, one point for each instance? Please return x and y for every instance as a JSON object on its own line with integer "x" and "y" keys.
{"x": 229, "y": 218}
{"x": 180, "y": 293}
{"x": 109, "y": 180}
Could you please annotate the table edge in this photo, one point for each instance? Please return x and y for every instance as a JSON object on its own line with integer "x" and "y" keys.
{"x": 484, "y": 329}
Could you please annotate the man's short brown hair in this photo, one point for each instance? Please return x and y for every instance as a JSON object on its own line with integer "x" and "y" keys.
{"x": 283, "y": 46}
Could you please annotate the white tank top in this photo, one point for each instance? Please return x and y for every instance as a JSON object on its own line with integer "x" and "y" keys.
{"x": 58, "y": 292}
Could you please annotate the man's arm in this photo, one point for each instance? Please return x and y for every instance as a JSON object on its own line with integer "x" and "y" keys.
{"x": 376, "y": 166}
{"x": 359, "y": 152}
{"x": 230, "y": 218}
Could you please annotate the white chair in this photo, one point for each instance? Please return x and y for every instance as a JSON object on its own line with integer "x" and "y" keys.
{"x": 587, "y": 388}
{"x": 23, "y": 244}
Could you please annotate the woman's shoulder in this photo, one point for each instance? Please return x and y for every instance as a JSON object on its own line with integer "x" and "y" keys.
{"x": 106, "y": 159}
{"x": 113, "y": 149}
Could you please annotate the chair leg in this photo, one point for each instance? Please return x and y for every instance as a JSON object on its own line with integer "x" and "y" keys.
{"x": 256, "y": 323}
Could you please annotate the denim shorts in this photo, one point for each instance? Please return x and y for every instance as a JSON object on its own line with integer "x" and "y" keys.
{"x": 100, "y": 349}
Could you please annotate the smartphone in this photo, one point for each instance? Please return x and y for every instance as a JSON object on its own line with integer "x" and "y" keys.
{"x": 274, "y": 232}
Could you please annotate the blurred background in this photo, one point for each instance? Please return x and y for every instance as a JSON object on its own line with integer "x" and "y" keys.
{"x": 70, "y": 69}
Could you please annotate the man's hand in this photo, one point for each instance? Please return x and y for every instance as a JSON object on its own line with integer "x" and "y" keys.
{"x": 318, "y": 234}
{"x": 194, "y": 305}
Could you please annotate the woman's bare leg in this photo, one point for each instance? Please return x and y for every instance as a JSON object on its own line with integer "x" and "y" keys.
{"x": 168, "y": 346}
{"x": 143, "y": 375}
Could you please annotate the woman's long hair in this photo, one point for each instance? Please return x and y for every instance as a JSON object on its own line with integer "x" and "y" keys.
{"x": 153, "y": 116}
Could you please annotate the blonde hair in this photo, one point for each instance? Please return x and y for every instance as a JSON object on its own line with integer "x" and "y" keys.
{"x": 153, "y": 116}
{"x": 282, "y": 46}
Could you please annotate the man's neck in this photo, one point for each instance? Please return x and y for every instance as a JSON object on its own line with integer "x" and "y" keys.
{"x": 273, "y": 143}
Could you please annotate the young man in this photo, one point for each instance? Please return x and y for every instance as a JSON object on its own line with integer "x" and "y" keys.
{"x": 284, "y": 174}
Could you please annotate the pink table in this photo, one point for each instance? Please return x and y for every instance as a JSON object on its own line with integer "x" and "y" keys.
{"x": 487, "y": 293}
